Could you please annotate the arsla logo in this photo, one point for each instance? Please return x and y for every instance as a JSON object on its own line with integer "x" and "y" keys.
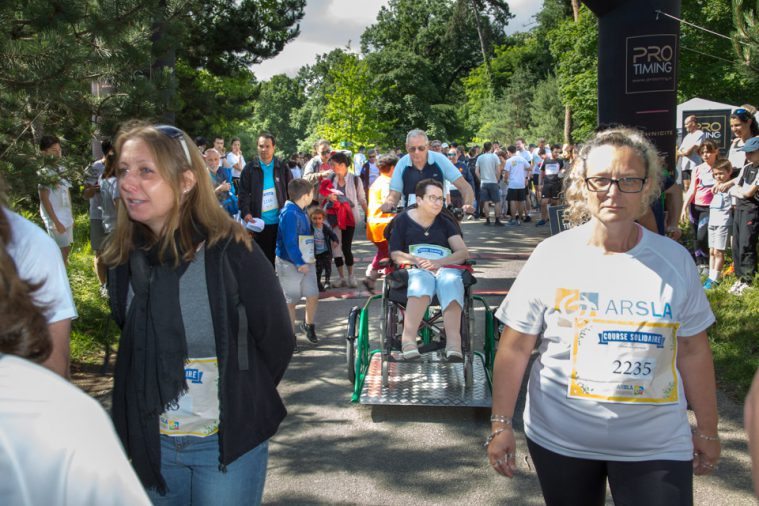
{"x": 570, "y": 301}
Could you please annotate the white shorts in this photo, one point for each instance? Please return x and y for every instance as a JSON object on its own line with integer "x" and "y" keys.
{"x": 718, "y": 237}
{"x": 294, "y": 283}
{"x": 63, "y": 240}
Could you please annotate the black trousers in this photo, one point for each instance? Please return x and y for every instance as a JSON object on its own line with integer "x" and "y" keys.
{"x": 701, "y": 233}
{"x": 569, "y": 481}
{"x": 323, "y": 265}
{"x": 267, "y": 241}
{"x": 346, "y": 245}
{"x": 745, "y": 234}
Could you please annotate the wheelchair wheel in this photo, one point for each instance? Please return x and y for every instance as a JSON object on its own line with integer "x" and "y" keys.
{"x": 350, "y": 355}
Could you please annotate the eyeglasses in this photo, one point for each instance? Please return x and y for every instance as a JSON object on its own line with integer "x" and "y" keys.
{"x": 412, "y": 149}
{"x": 451, "y": 155}
{"x": 325, "y": 153}
{"x": 625, "y": 184}
{"x": 434, "y": 199}
{"x": 175, "y": 133}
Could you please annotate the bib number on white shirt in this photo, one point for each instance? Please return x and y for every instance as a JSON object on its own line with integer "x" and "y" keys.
{"x": 624, "y": 362}
{"x": 197, "y": 411}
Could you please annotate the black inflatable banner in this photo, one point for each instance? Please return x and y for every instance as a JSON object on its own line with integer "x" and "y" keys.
{"x": 637, "y": 68}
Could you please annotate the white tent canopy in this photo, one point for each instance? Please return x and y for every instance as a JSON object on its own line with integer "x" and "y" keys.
{"x": 700, "y": 104}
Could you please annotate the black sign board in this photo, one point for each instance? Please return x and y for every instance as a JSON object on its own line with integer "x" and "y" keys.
{"x": 637, "y": 68}
{"x": 556, "y": 219}
{"x": 715, "y": 124}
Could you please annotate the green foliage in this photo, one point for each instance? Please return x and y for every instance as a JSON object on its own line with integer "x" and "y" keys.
{"x": 276, "y": 109}
{"x": 745, "y": 16}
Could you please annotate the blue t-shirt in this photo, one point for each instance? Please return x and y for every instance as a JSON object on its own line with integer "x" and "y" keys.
{"x": 450, "y": 172}
{"x": 269, "y": 204}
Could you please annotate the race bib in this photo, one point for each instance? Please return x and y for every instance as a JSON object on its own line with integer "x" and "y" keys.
{"x": 306, "y": 245}
{"x": 197, "y": 411}
{"x": 624, "y": 362}
{"x": 429, "y": 251}
{"x": 270, "y": 201}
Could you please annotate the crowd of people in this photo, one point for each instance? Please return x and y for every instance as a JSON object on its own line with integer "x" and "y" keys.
{"x": 185, "y": 233}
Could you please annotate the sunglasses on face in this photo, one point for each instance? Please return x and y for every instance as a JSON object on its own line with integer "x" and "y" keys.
{"x": 175, "y": 133}
{"x": 325, "y": 153}
{"x": 451, "y": 155}
{"x": 412, "y": 149}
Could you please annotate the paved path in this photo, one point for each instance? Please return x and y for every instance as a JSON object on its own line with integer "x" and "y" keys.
{"x": 329, "y": 451}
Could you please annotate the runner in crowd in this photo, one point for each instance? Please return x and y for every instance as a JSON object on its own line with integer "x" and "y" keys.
{"x": 552, "y": 172}
{"x": 744, "y": 126}
{"x": 55, "y": 198}
{"x": 294, "y": 165}
{"x": 688, "y": 152}
{"x": 697, "y": 200}
{"x": 92, "y": 194}
{"x": 263, "y": 192}
{"x": 109, "y": 194}
{"x": 196, "y": 300}
{"x": 218, "y": 145}
{"x": 456, "y": 156}
{"x": 536, "y": 162}
{"x": 471, "y": 163}
{"x": 344, "y": 199}
{"x": 517, "y": 172}
{"x": 624, "y": 349}
{"x": 369, "y": 171}
{"x": 376, "y": 220}
{"x": 745, "y": 189}
{"x": 318, "y": 167}
{"x": 424, "y": 228}
{"x": 58, "y": 445}
{"x": 423, "y": 163}
{"x": 503, "y": 184}
{"x": 295, "y": 267}
{"x": 488, "y": 170}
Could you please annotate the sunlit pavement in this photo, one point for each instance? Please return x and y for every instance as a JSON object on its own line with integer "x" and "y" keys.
{"x": 330, "y": 451}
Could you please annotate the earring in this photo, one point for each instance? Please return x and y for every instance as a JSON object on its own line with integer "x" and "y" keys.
{"x": 186, "y": 190}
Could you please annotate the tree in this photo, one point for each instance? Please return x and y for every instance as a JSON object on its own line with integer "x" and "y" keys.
{"x": 278, "y": 103}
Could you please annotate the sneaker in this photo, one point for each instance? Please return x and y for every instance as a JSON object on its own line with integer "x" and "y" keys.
{"x": 321, "y": 288}
{"x": 498, "y": 223}
{"x": 541, "y": 223}
{"x": 709, "y": 284}
{"x": 310, "y": 330}
{"x": 527, "y": 219}
{"x": 470, "y": 217}
{"x": 352, "y": 282}
{"x": 327, "y": 285}
{"x": 339, "y": 283}
{"x": 487, "y": 221}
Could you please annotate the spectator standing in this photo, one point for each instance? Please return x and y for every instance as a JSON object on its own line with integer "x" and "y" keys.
{"x": 296, "y": 256}
{"x": 218, "y": 145}
{"x": 221, "y": 180}
{"x": 324, "y": 240}
{"x": 720, "y": 218}
{"x": 318, "y": 167}
{"x": 235, "y": 161}
{"x": 697, "y": 200}
{"x": 517, "y": 174}
{"x": 55, "y": 198}
{"x": 688, "y": 152}
{"x": 369, "y": 171}
{"x": 488, "y": 170}
{"x": 93, "y": 195}
{"x": 263, "y": 192}
{"x": 205, "y": 339}
{"x": 744, "y": 126}
{"x": 294, "y": 165}
{"x": 552, "y": 172}
{"x": 109, "y": 193}
{"x": 359, "y": 159}
{"x": 455, "y": 156}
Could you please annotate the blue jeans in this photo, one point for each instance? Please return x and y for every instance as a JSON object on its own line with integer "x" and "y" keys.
{"x": 190, "y": 466}
{"x": 446, "y": 283}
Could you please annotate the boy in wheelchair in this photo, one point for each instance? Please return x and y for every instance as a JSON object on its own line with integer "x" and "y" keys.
{"x": 431, "y": 243}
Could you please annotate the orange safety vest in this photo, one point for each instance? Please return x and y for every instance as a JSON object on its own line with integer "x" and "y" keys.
{"x": 376, "y": 220}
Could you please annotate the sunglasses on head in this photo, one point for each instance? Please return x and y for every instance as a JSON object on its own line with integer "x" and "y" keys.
{"x": 742, "y": 113}
{"x": 175, "y": 133}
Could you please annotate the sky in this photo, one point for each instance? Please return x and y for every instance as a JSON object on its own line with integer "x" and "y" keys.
{"x": 329, "y": 24}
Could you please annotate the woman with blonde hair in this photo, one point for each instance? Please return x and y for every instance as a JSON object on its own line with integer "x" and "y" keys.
{"x": 202, "y": 346}
{"x": 624, "y": 348}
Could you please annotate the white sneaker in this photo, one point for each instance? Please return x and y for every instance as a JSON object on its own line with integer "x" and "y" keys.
{"x": 339, "y": 283}
{"x": 352, "y": 282}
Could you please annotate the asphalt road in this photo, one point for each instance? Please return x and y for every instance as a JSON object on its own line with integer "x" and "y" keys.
{"x": 330, "y": 451}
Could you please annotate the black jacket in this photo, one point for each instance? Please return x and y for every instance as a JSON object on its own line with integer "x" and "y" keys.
{"x": 250, "y": 366}
{"x": 250, "y": 192}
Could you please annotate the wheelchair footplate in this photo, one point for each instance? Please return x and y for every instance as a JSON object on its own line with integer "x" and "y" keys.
{"x": 427, "y": 381}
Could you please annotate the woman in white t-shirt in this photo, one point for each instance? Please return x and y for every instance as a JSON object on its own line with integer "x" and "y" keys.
{"x": 624, "y": 350}
{"x": 234, "y": 159}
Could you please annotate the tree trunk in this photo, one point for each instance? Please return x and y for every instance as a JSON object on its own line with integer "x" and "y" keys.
{"x": 162, "y": 69}
{"x": 485, "y": 58}
{"x": 567, "y": 125}
{"x": 576, "y": 9}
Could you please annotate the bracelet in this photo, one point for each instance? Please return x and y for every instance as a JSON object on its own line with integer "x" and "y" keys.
{"x": 492, "y": 436}
{"x": 501, "y": 419}
{"x": 704, "y": 436}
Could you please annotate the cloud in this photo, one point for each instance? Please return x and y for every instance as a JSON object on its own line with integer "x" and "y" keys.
{"x": 329, "y": 24}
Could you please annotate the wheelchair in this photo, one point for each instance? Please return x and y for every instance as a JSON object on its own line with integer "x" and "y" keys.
{"x": 385, "y": 362}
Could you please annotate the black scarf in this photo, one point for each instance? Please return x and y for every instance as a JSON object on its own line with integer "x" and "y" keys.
{"x": 149, "y": 374}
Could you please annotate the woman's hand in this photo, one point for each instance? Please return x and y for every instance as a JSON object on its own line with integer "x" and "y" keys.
{"x": 502, "y": 453}
{"x": 705, "y": 455}
{"x": 424, "y": 263}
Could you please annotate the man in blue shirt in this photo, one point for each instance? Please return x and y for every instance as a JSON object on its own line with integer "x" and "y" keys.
{"x": 422, "y": 163}
{"x": 263, "y": 192}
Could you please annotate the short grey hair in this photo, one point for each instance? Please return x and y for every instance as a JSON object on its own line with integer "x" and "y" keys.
{"x": 417, "y": 132}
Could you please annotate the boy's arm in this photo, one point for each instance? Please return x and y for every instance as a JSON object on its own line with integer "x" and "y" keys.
{"x": 288, "y": 227}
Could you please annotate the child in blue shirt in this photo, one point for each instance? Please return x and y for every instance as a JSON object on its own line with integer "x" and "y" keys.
{"x": 323, "y": 236}
{"x": 295, "y": 255}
